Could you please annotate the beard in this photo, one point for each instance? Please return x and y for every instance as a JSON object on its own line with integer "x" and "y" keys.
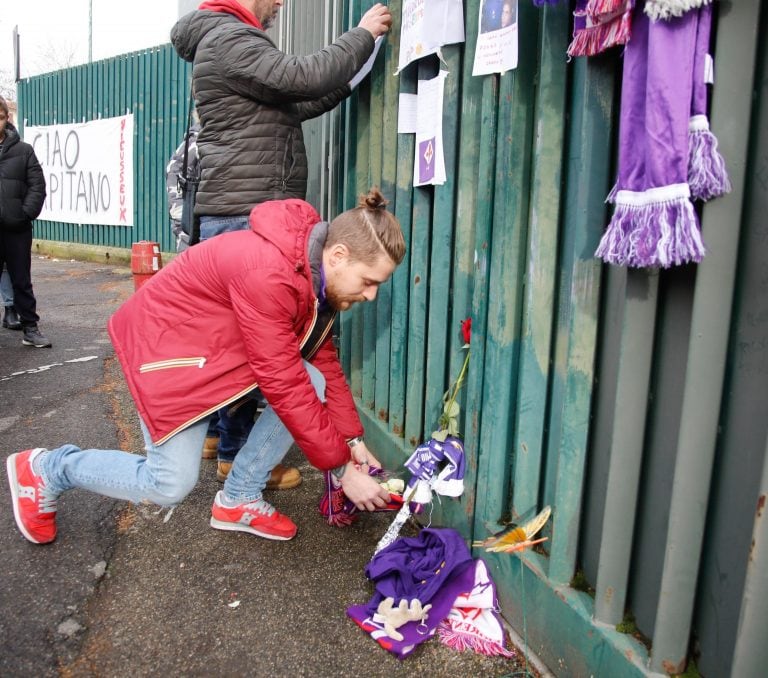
{"x": 269, "y": 21}
{"x": 339, "y": 302}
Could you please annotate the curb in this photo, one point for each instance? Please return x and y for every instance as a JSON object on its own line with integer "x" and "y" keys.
{"x": 98, "y": 254}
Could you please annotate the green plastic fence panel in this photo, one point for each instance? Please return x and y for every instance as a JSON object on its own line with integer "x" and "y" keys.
{"x": 541, "y": 276}
{"x": 588, "y": 166}
{"x": 506, "y": 270}
{"x": 401, "y": 278}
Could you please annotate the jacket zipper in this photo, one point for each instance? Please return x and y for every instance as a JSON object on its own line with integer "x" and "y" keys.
{"x": 169, "y": 364}
{"x": 186, "y": 362}
{"x": 308, "y": 333}
{"x": 288, "y": 149}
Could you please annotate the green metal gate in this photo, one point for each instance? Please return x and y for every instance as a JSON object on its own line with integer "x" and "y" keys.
{"x": 586, "y": 382}
{"x": 153, "y": 85}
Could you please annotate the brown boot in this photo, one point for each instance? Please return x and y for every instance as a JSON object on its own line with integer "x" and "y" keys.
{"x": 222, "y": 470}
{"x": 282, "y": 477}
{"x": 210, "y": 447}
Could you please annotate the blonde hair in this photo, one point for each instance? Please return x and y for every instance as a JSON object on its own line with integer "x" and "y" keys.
{"x": 368, "y": 230}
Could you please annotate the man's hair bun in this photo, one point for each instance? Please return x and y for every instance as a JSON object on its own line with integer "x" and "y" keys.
{"x": 374, "y": 200}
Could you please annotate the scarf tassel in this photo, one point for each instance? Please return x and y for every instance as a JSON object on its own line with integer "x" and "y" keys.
{"x": 707, "y": 174}
{"x": 334, "y": 506}
{"x": 596, "y": 8}
{"x": 460, "y": 642}
{"x": 668, "y": 9}
{"x": 592, "y": 40}
{"x": 661, "y": 234}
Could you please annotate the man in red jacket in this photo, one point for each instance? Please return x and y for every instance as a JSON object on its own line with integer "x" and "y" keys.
{"x": 265, "y": 300}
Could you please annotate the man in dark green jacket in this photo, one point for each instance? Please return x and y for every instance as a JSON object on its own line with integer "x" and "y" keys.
{"x": 252, "y": 99}
{"x": 22, "y": 194}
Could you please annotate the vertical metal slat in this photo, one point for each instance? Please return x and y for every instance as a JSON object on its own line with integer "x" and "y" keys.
{"x": 731, "y": 108}
{"x": 627, "y": 443}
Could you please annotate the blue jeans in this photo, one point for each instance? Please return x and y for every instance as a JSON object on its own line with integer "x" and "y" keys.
{"x": 170, "y": 471}
{"x": 211, "y": 226}
{"x": 233, "y": 425}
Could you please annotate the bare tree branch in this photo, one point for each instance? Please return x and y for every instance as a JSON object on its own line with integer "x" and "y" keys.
{"x": 54, "y": 56}
{"x": 7, "y": 85}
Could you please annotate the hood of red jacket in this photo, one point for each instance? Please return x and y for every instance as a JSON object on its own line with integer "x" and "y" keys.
{"x": 286, "y": 224}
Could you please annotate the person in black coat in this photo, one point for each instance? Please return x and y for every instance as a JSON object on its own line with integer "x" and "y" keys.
{"x": 22, "y": 194}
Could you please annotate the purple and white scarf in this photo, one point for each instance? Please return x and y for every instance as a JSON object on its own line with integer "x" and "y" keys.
{"x": 654, "y": 223}
{"x": 666, "y": 9}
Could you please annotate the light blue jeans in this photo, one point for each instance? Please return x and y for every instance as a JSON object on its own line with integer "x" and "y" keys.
{"x": 170, "y": 471}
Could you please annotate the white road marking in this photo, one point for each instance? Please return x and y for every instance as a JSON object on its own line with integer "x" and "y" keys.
{"x": 43, "y": 368}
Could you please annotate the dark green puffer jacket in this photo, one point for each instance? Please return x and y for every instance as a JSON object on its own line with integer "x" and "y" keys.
{"x": 252, "y": 99}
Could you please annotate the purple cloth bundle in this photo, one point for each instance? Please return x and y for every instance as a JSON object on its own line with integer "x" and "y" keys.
{"x": 654, "y": 223}
{"x": 435, "y": 567}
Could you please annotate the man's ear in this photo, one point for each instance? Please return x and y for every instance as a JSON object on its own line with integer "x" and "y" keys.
{"x": 338, "y": 254}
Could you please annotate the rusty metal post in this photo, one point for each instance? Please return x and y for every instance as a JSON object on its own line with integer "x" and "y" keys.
{"x": 750, "y": 656}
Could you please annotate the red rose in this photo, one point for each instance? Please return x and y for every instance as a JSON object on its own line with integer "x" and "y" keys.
{"x": 466, "y": 329}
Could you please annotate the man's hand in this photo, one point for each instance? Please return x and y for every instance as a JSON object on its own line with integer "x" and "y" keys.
{"x": 376, "y": 20}
{"x": 362, "y": 490}
{"x": 363, "y": 457}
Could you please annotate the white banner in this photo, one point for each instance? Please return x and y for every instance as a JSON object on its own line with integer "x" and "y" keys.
{"x": 88, "y": 170}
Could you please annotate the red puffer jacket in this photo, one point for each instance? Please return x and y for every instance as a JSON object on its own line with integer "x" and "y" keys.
{"x": 226, "y": 315}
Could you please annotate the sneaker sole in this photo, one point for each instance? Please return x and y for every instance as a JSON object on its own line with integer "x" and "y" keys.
{"x": 32, "y": 343}
{"x": 233, "y": 527}
{"x": 13, "y": 481}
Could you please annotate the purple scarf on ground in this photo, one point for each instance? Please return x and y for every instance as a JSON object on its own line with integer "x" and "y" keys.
{"x": 435, "y": 567}
{"x": 654, "y": 223}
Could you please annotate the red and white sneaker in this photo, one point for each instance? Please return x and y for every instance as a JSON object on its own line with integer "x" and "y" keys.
{"x": 257, "y": 517}
{"x": 34, "y": 507}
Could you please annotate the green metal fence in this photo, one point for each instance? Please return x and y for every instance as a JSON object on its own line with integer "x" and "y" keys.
{"x": 153, "y": 85}
{"x": 586, "y": 382}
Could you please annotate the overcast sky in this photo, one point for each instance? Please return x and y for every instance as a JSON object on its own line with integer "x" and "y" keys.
{"x": 52, "y": 30}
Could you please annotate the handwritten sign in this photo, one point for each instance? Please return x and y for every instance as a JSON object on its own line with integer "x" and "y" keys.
{"x": 496, "y": 50}
{"x": 88, "y": 170}
{"x": 428, "y": 25}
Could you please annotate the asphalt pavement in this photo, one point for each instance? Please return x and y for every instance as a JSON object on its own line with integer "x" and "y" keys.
{"x": 131, "y": 590}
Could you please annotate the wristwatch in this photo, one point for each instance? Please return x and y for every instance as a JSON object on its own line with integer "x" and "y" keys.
{"x": 339, "y": 471}
{"x": 354, "y": 441}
